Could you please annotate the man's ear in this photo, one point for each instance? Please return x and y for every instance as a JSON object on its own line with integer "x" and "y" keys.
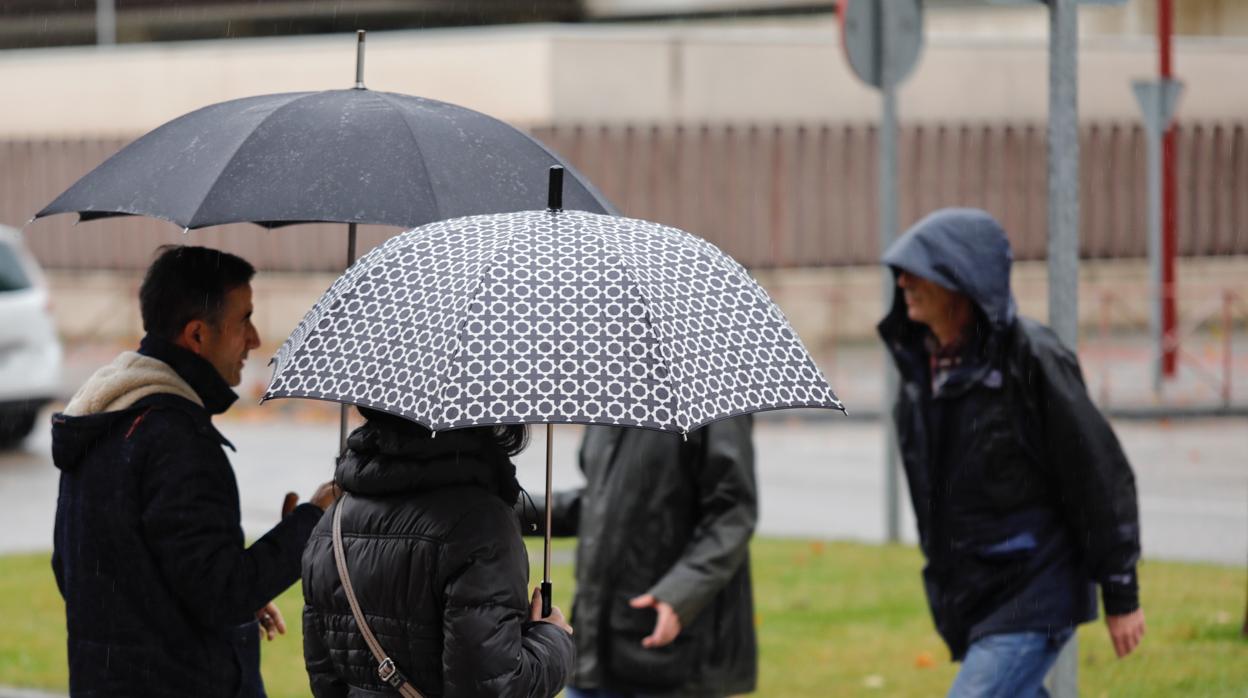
{"x": 193, "y": 336}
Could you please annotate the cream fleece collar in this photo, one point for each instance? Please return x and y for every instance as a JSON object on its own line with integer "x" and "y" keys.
{"x": 128, "y": 379}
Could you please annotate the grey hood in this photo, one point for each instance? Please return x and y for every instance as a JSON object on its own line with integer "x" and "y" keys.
{"x": 963, "y": 249}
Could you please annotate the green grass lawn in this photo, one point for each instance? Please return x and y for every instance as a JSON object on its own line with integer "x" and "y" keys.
{"x": 834, "y": 619}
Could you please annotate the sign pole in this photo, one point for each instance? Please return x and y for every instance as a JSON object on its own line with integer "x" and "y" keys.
{"x": 1157, "y": 99}
{"x": 1063, "y": 679}
{"x": 888, "y": 231}
{"x": 882, "y": 41}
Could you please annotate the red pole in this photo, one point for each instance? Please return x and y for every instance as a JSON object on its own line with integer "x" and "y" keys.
{"x": 1169, "y": 242}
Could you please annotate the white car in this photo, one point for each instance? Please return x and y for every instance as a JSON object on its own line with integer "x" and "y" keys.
{"x": 30, "y": 352}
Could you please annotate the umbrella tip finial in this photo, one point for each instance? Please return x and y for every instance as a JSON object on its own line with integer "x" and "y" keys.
{"x": 359, "y": 59}
{"x": 554, "y": 192}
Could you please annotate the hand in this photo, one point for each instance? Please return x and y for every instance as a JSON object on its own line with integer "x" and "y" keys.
{"x": 666, "y": 626}
{"x": 289, "y": 503}
{"x": 1126, "y": 631}
{"x": 325, "y": 495}
{"x": 556, "y": 616}
{"x": 270, "y": 621}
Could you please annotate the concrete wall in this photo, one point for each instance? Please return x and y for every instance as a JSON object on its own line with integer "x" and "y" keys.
{"x": 826, "y": 306}
{"x": 550, "y": 75}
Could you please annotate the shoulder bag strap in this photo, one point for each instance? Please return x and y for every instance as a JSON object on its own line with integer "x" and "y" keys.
{"x": 385, "y": 666}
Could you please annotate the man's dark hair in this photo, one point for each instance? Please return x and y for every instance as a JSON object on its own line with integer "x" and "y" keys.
{"x": 188, "y": 283}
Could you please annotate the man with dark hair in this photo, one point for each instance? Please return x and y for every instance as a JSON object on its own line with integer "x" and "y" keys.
{"x": 1023, "y": 497}
{"x": 162, "y": 597}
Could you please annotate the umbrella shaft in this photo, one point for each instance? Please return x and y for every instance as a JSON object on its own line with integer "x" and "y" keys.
{"x": 342, "y": 412}
{"x": 549, "y": 500}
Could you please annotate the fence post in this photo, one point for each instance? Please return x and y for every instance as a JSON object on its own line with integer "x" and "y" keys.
{"x": 1228, "y": 346}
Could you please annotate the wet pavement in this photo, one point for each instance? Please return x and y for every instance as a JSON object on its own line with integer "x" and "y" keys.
{"x": 818, "y": 478}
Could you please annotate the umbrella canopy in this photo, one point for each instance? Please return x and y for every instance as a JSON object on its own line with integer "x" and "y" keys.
{"x": 347, "y": 156}
{"x": 549, "y": 317}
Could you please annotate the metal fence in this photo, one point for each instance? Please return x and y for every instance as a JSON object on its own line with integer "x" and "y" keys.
{"x": 772, "y": 196}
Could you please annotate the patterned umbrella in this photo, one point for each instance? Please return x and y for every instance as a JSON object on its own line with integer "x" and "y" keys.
{"x": 549, "y": 317}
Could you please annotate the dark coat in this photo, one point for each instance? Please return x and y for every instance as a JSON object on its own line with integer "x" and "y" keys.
{"x": 1022, "y": 494}
{"x": 160, "y": 589}
{"x": 672, "y": 518}
{"x": 439, "y": 569}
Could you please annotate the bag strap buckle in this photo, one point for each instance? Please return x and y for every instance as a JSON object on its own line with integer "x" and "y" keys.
{"x": 390, "y": 673}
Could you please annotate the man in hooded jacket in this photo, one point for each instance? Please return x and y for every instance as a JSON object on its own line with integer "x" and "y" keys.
{"x": 1024, "y": 500}
{"x": 162, "y": 596}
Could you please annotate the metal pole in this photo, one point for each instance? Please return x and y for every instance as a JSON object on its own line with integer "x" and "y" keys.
{"x": 888, "y": 229}
{"x": 1156, "y": 290}
{"x": 1064, "y": 171}
{"x": 342, "y": 414}
{"x": 105, "y": 22}
{"x": 550, "y": 447}
{"x": 1063, "y": 679}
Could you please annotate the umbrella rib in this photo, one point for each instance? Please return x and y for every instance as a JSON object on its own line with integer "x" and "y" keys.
{"x": 295, "y": 97}
{"x": 433, "y": 194}
{"x": 676, "y": 412}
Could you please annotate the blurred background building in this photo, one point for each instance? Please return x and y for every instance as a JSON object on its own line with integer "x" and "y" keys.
{"x": 738, "y": 120}
{"x": 44, "y": 23}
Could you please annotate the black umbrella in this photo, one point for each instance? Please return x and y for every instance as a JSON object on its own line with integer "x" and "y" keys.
{"x": 344, "y": 156}
{"x": 549, "y": 317}
{"x": 348, "y": 156}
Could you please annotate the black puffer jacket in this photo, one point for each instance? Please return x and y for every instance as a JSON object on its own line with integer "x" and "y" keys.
{"x": 160, "y": 589}
{"x": 1022, "y": 494}
{"x": 672, "y": 518}
{"x": 439, "y": 569}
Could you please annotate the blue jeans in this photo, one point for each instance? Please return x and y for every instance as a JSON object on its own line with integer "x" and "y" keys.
{"x": 247, "y": 648}
{"x": 1008, "y": 666}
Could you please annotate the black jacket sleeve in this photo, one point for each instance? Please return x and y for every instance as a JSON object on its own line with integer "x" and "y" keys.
{"x": 565, "y": 514}
{"x": 1095, "y": 484}
{"x": 190, "y": 520}
{"x": 728, "y": 506}
{"x": 490, "y": 648}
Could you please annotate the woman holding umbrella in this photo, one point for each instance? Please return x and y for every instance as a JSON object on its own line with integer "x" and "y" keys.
{"x": 427, "y": 533}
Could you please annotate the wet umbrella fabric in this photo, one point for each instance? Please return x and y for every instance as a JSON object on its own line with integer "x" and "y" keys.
{"x": 347, "y": 156}
{"x": 549, "y": 317}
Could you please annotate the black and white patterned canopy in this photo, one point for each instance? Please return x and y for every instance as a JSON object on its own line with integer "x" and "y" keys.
{"x": 549, "y": 317}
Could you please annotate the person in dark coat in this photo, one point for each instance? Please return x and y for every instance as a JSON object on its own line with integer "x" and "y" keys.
{"x": 1024, "y": 499}
{"x": 162, "y": 595}
{"x": 664, "y": 604}
{"x": 438, "y": 566}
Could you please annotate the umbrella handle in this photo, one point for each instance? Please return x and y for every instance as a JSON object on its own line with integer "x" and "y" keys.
{"x": 545, "y": 599}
